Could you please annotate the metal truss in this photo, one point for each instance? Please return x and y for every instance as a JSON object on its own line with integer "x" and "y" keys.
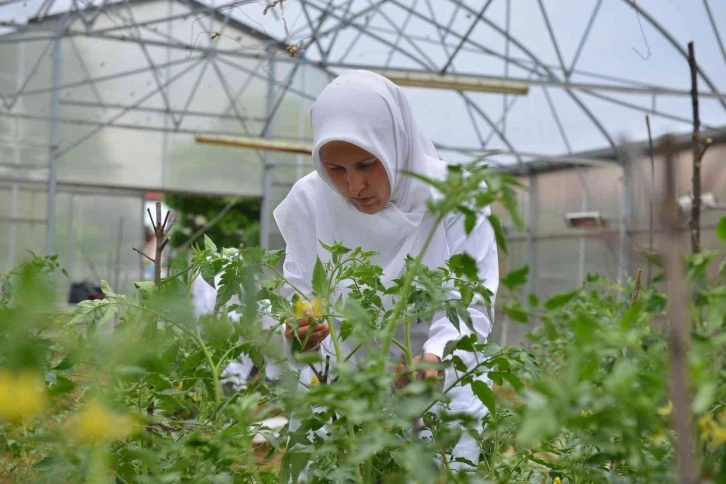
{"x": 325, "y": 35}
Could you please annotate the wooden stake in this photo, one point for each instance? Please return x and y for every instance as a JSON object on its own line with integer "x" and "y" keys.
{"x": 678, "y": 322}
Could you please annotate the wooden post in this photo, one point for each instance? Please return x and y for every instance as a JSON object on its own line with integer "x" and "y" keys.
{"x": 678, "y": 322}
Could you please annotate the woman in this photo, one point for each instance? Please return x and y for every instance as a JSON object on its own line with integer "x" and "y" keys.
{"x": 364, "y": 137}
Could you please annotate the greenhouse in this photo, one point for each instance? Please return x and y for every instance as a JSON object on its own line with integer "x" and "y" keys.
{"x": 597, "y": 127}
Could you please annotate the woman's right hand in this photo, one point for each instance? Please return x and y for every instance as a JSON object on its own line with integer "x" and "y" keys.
{"x": 320, "y": 331}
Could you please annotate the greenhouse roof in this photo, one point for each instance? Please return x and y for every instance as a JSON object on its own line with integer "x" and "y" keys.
{"x": 593, "y": 68}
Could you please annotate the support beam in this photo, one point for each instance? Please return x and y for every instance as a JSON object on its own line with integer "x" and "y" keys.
{"x": 256, "y": 144}
{"x": 532, "y": 221}
{"x": 456, "y": 83}
{"x": 54, "y": 150}
{"x": 266, "y": 207}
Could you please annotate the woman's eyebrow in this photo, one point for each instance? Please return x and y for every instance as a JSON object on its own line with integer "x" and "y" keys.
{"x": 365, "y": 160}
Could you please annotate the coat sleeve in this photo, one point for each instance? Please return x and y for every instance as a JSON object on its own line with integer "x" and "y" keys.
{"x": 481, "y": 246}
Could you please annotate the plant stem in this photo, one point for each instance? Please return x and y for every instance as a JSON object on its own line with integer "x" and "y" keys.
{"x": 462, "y": 377}
{"x": 406, "y": 288}
{"x": 336, "y": 343}
{"x": 279, "y": 274}
{"x": 213, "y": 369}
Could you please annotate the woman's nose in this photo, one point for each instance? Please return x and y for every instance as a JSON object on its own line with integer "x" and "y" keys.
{"x": 356, "y": 183}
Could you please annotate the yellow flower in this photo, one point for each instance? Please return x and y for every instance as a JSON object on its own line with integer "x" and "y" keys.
{"x": 303, "y": 308}
{"x": 711, "y": 429}
{"x": 314, "y": 380}
{"x": 21, "y": 395}
{"x": 666, "y": 410}
{"x": 97, "y": 424}
{"x": 704, "y": 424}
{"x": 557, "y": 481}
{"x": 718, "y": 434}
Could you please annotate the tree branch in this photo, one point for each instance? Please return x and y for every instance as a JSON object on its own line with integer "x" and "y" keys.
{"x": 137, "y": 250}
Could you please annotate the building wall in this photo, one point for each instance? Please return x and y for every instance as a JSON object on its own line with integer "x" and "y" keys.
{"x": 565, "y": 256}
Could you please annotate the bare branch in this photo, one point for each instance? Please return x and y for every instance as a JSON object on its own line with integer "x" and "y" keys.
{"x": 166, "y": 219}
{"x": 137, "y": 250}
{"x": 696, "y": 206}
{"x": 151, "y": 218}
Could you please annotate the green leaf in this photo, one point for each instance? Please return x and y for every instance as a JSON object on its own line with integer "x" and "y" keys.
{"x": 497, "y": 377}
{"x": 509, "y": 200}
{"x": 584, "y": 326}
{"x": 517, "y": 277}
{"x": 208, "y": 244}
{"x": 92, "y": 310}
{"x": 355, "y": 312}
{"x": 146, "y": 288}
{"x": 308, "y": 357}
{"x": 469, "y": 223}
{"x": 62, "y": 386}
{"x": 514, "y": 381}
{"x": 498, "y": 233}
{"x": 560, "y": 300}
{"x": 721, "y": 229}
{"x": 533, "y": 300}
{"x": 485, "y": 394}
{"x": 466, "y": 316}
{"x": 464, "y": 265}
{"x": 320, "y": 279}
{"x": 67, "y": 363}
{"x": 516, "y": 311}
{"x": 650, "y": 256}
{"x": 453, "y": 316}
{"x": 346, "y": 329}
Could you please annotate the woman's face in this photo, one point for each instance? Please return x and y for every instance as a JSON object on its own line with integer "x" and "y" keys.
{"x": 357, "y": 174}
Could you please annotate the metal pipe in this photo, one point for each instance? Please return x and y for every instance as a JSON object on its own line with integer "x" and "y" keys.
{"x": 13, "y": 236}
{"x": 626, "y": 209}
{"x": 532, "y": 221}
{"x": 54, "y": 139}
{"x": 267, "y": 178}
{"x": 70, "y": 240}
{"x": 149, "y": 109}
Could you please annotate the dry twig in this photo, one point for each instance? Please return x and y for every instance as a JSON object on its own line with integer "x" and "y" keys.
{"x": 697, "y": 155}
{"x": 636, "y": 289}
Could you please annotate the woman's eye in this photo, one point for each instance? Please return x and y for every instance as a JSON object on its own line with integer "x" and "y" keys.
{"x": 336, "y": 168}
{"x": 365, "y": 167}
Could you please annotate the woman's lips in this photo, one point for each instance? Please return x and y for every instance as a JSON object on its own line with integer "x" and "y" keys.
{"x": 364, "y": 201}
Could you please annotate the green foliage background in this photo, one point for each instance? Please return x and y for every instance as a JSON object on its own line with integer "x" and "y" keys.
{"x": 241, "y": 225}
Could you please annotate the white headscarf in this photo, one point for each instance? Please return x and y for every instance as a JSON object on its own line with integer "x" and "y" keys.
{"x": 369, "y": 111}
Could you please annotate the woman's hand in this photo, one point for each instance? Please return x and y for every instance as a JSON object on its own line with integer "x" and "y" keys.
{"x": 317, "y": 335}
{"x": 425, "y": 374}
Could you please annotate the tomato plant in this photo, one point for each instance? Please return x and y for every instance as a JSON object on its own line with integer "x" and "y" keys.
{"x": 129, "y": 389}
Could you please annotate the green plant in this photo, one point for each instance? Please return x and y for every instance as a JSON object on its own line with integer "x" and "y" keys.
{"x": 586, "y": 401}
